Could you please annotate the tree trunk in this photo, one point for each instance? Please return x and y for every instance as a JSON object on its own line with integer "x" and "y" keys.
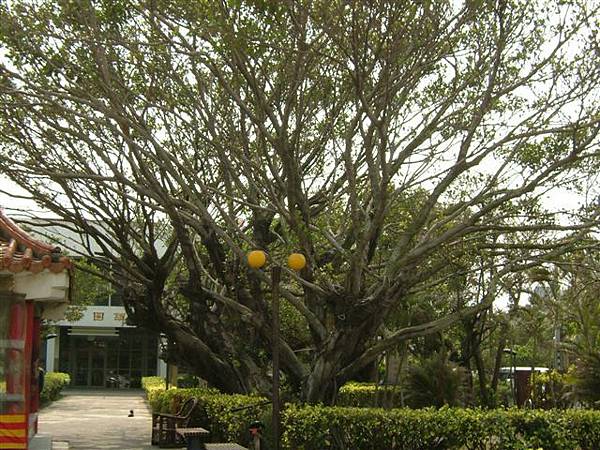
{"x": 498, "y": 359}
{"x": 322, "y": 383}
{"x": 484, "y": 392}
{"x": 342, "y": 347}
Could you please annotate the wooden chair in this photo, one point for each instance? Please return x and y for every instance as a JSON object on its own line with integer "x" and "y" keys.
{"x": 164, "y": 425}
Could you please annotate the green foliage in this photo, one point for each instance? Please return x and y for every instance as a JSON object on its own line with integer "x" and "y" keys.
{"x": 435, "y": 382}
{"x": 294, "y": 327}
{"x": 367, "y": 394}
{"x": 533, "y": 327}
{"x": 587, "y": 383}
{"x": 153, "y": 386}
{"x": 89, "y": 288}
{"x": 215, "y": 411}
{"x": 152, "y": 382}
{"x": 188, "y": 381}
{"x": 149, "y": 383}
{"x": 553, "y": 389}
{"x": 54, "y": 382}
{"x": 113, "y": 105}
{"x": 503, "y": 397}
{"x": 320, "y": 428}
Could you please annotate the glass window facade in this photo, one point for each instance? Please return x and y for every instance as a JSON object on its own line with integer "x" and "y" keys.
{"x": 108, "y": 361}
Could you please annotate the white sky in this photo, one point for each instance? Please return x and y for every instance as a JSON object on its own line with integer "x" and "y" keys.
{"x": 9, "y": 203}
{"x": 556, "y": 200}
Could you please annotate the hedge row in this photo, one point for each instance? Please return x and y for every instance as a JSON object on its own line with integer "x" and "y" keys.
{"x": 321, "y": 428}
{"x": 153, "y": 387}
{"x": 368, "y": 394}
{"x": 215, "y": 411}
{"x": 54, "y": 382}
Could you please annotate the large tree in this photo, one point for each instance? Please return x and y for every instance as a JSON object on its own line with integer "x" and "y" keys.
{"x": 383, "y": 140}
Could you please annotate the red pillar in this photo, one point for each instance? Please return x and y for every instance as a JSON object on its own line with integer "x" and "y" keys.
{"x": 14, "y": 428}
{"x": 15, "y": 377}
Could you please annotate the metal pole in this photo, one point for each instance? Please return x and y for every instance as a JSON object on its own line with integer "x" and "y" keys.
{"x": 167, "y": 375}
{"x": 168, "y": 380}
{"x": 513, "y": 372}
{"x": 276, "y": 419}
{"x": 514, "y": 378}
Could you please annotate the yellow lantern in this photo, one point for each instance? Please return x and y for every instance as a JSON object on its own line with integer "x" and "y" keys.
{"x": 257, "y": 259}
{"x": 296, "y": 261}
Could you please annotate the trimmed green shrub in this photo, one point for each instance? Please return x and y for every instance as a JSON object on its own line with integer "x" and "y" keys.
{"x": 54, "y": 382}
{"x": 367, "y": 394}
{"x": 153, "y": 386}
{"x": 321, "y": 428}
{"x": 218, "y": 413}
{"x": 153, "y": 383}
{"x": 215, "y": 411}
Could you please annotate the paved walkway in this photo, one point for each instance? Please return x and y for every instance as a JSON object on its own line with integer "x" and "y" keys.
{"x": 97, "y": 420}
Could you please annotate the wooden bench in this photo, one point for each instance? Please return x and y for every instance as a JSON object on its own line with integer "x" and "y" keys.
{"x": 164, "y": 426}
{"x": 194, "y": 437}
{"x": 172, "y": 430}
{"x": 195, "y": 440}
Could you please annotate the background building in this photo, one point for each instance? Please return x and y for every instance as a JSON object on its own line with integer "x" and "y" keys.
{"x": 101, "y": 350}
{"x": 98, "y": 349}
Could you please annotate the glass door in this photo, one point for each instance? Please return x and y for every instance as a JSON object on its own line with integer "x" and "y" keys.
{"x": 90, "y": 367}
{"x": 98, "y": 367}
{"x": 81, "y": 367}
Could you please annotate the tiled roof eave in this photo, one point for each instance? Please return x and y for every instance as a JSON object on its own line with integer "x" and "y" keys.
{"x": 20, "y": 252}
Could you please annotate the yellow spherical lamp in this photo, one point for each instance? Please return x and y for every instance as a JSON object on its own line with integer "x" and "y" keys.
{"x": 296, "y": 261}
{"x": 257, "y": 259}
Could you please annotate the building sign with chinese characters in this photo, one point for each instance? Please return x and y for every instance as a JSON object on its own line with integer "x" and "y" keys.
{"x": 100, "y": 316}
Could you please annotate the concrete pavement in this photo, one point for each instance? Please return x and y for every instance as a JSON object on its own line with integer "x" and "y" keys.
{"x": 97, "y": 420}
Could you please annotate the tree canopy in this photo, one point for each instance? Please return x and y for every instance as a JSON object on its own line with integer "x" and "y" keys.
{"x": 389, "y": 142}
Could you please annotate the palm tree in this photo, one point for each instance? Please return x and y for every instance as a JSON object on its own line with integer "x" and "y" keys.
{"x": 435, "y": 382}
{"x": 587, "y": 385}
